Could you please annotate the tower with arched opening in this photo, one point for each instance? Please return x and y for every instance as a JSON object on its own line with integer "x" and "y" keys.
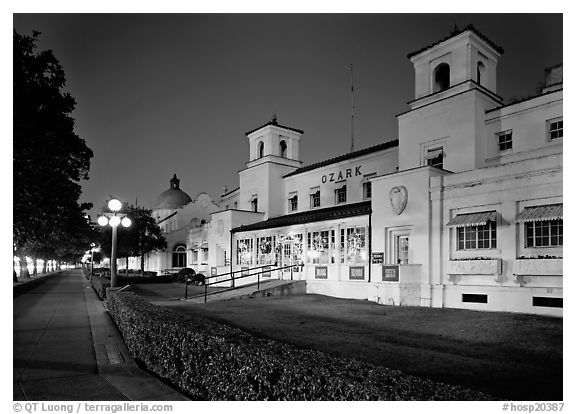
{"x": 455, "y": 83}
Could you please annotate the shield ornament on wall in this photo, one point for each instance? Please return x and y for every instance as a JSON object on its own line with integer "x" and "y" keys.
{"x": 398, "y": 199}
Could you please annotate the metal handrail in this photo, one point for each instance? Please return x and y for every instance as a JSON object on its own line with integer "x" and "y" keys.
{"x": 236, "y": 271}
{"x": 291, "y": 267}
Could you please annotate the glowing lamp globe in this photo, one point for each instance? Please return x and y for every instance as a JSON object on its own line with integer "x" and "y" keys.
{"x": 114, "y": 221}
{"x": 126, "y": 222}
{"x": 103, "y": 221}
{"x": 114, "y": 204}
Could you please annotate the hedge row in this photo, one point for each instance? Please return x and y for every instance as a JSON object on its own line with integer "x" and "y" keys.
{"x": 100, "y": 284}
{"x": 214, "y": 361}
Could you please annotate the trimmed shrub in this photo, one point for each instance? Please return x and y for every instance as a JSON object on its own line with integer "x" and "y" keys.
{"x": 183, "y": 274}
{"x": 198, "y": 279}
{"x": 214, "y": 361}
{"x": 100, "y": 284}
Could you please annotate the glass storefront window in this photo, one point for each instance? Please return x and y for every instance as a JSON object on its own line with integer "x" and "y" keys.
{"x": 266, "y": 253}
{"x": 244, "y": 251}
{"x": 319, "y": 247}
{"x": 353, "y": 245}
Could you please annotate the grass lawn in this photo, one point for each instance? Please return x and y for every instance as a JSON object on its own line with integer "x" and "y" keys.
{"x": 511, "y": 356}
{"x": 167, "y": 291}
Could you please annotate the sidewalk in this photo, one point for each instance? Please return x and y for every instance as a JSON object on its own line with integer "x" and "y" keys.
{"x": 67, "y": 348}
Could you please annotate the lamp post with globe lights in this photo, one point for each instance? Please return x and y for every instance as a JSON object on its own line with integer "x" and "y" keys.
{"x": 114, "y": 218}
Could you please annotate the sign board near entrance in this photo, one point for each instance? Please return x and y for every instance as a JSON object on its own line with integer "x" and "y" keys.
{"x": 377, "y": 257}
{"x": 390, "y": 273}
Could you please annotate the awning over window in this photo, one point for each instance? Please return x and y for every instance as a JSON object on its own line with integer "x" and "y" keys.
{"x": 314, "y": 190}
{"x": 253, "y": 197}
{"x": 341, "y": 186}
{"x": 540, "y": 213}
{"x": 473, "y": 219}
{"x": 433, "y": 153}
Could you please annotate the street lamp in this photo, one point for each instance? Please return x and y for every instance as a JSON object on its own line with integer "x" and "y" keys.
{"x": 114, "y": 218}
{"x": 93, "y": 248}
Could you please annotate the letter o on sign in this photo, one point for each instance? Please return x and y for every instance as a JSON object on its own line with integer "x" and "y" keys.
{"x": 324, "y": 178}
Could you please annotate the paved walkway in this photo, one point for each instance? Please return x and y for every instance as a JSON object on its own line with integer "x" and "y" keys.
{"x": 67, "y": 348}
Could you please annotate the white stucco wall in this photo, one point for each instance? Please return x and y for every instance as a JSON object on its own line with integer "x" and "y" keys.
{"x": 350, "y": 172}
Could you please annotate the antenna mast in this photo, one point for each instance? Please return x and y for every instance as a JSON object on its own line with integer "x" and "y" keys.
{"x": 352, "y": 120}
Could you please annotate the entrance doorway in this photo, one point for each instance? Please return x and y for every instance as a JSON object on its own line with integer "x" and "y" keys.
{"x": 290, "y": 255}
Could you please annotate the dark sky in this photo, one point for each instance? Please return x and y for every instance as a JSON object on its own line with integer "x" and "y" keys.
{"x": 159, "y": 94}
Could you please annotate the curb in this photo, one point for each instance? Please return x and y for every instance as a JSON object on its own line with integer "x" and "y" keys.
{"x": 115, "y": 364}
{"x": 31, "y": 283}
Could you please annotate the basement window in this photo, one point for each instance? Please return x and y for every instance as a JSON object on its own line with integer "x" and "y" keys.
{"x": 474, "y": 298}
{"x": 547, "y": 302}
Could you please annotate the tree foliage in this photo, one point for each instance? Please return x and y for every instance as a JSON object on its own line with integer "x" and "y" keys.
{"x": 49, "y": 158}
{"x": 141, "y": 238}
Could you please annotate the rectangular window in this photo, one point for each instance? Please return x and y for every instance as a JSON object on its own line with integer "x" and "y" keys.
{"x": 293, "y": 203}
{"x": 547, "y": 302}
{"x": 265, "y": 253}
{"x": 435, "y": 157}
{"x": 476, "y": 237}
{"x": 340, "y": 195}
{"x": 546, "y": 233}
{"x": 504, "y": 140}
{"x": 319, "y": 247}
{"x": 244, "y": 249}
{"x": 315, "y": 199}
{"x": 353, "y": 245}
{"x": 367, "y": 190}
{"x": 255, "y": 205}
{"x": 474, "y": 298}
{"x": 555, "y": 128}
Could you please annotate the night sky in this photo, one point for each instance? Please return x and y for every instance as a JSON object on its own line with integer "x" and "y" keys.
{"x": 159, "y": 94}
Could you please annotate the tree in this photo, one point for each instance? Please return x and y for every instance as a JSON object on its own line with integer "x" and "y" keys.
{"x": 141, "y": 238}
{"x": 144, "y": 236}
{"x": 49, "y": 158}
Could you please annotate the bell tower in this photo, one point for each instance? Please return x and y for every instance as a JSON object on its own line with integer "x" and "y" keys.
{"x": 275, "y": 141}
{"x": 274, "y": 152}
{"x": 465, "y": 56}
{"x": 455, "y": 84}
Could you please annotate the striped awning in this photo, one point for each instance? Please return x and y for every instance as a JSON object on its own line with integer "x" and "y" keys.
{"x": 433, "y": 153}
{"x": 540, "y": 213}
{"x": 473, "y": 219}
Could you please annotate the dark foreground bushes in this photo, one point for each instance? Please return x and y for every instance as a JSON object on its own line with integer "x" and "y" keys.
{"x": 213, "y": 361}
{"x": 100, "y": 284}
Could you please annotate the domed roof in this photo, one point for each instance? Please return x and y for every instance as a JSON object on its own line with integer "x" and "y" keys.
{"x": 173, "y": 197}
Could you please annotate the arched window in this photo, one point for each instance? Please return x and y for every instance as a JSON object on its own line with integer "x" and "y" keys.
{"x": 480, "y": 72}
{"x": 179, "y": 256}
{"x": 283, "y": 147}
{"x": 260, "y": 149}
{"x": 441, "y": 77}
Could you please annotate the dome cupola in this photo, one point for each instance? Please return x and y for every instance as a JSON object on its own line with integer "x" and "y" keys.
{"x": 172, "y": 198}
